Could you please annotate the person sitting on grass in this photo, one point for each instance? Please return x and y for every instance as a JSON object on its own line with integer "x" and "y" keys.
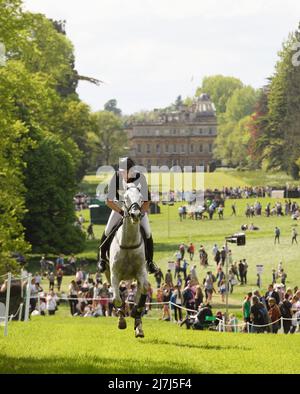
{"x": 198, "y": 321}
{"x": 51, "y": 303}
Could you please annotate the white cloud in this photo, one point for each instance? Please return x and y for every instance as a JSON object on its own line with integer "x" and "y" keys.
{"x": 149, "y": 49}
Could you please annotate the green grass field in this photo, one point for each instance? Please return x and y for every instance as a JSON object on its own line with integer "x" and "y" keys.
{"x": 86, "y": 345}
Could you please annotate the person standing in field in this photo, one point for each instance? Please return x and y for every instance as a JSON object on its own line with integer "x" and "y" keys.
{"x": 203, "y": 256}
{"x": 191, "y": 251}
{"x": 194, "y": 275}
{"x": 59, "y": 278}
{"x": 286, "y": 313}
{"x": 169, "y": 278}
{"x": 277, "y": 235}
{"x": 247, "y": 309}
{"x": 274, "y": 315}
{"x": 51, "y": 278}
{"x": 177, "y": 299}
{"x": 241, "y": 271}
{"x": 294, "y": 236}
{"x": 233, "y": 207}
{"x": 73, "y": 289}
{"x": 182, "y": 250}
{"x": 158, "y": 277}
{"x": 245, "y": 270}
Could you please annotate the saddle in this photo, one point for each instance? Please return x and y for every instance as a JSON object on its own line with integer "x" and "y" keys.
{"x": 113, "y": 232}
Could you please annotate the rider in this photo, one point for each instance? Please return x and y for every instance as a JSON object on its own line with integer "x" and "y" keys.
{"x": 116, "y": 189}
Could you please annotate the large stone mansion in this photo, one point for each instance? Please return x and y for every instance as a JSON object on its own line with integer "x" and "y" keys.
{"x": 184, "y": 137}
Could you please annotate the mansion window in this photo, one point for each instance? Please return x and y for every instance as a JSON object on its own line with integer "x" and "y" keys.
{"x": 148, "y": 148}
{"x": 157, "y": 148}
{"x": 167, "y": 148}
{"x": 139, "y": 148}
{"x": 174, "y": 148}
{"x": 182, "y": 149}
{"x": 210, "y": 148}
{"x": 192, "y": 148}
{"x": 201, "y": 148}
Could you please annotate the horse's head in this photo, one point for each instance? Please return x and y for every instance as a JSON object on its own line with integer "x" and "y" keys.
{"x": 133, "y": 203}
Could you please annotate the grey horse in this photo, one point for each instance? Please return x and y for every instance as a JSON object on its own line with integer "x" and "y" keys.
{"x": 127, "y": 259}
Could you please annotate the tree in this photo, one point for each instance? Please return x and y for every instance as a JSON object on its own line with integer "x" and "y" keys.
{"x": 43, "y": 130}
{"x": 241, "y": 103}
{"x": 11, "y": 23}
{"x": 108, "y": 139}
{"x": 14, "y": 142}
{"x": 220, "y": 89}
{"x": 178, "y": 102}
{"x": 76, "y": 124}
{"x": 111, "y": 106}
{"x": 232, "y": 143}
{"x": 50, "y": 183}
{"x": 281, "y": 140}
{"x": 258, "y": 127}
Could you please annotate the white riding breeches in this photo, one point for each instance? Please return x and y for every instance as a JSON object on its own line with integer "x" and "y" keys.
{"x": 115, "y": 219}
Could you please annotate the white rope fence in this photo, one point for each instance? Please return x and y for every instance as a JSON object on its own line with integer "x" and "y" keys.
{"x": 221, "y": 323}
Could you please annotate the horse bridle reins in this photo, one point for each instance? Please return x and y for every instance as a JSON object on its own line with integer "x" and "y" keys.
{"x": 127, "y": 211}
{"x": 133, "y": 205}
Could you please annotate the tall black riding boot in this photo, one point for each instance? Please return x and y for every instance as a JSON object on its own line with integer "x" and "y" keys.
{"x": 103, "y": 253}
{"x": 151, "y": 266}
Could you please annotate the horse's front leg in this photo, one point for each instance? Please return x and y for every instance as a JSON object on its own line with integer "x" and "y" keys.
{"x": 141, "y": 297}
{"x": 143, "y": 286}
{"x": 119, "y": 304}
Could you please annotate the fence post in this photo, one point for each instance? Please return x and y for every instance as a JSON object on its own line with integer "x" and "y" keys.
{"x": 39, "y": 302}
{"x": 248, "y": 327}
{"x": 20, "y": 311}
{"x": 7, "y": 304}
{"x": 26, "y": 318}
{"x": 170, "y": 308}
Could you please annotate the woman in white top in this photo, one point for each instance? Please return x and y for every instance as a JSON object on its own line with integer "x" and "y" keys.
{"x": 73, "y": 290}
{"x": 51, "y": 303}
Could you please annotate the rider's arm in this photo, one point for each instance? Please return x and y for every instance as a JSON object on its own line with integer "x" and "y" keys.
{"x": 112, "y": 205}
{"x": 145, "y": 193}
{"x": 146, "y": 206}
{"x": 113, "y": 194}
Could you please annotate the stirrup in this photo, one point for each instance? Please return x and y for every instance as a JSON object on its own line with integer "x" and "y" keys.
{"x": 102, "y": 264}
{"x": 152, "y": 267}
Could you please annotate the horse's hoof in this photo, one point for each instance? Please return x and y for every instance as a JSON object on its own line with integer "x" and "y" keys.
{"x": 139, "y": 333}
{"x": 122, "y": 324}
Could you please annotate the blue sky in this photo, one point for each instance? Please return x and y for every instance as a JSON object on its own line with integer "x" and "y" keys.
{"x": 150, "y": 51}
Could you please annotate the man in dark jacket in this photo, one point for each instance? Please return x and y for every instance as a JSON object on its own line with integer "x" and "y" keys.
{"x": 241, "y": 271}
{"x": 271, "y": 293}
